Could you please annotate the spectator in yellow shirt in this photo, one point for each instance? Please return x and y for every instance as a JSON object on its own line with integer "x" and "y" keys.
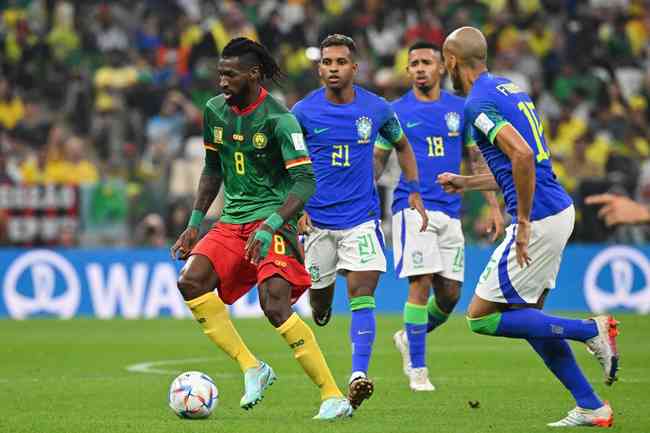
{"x": 12, "y": 110}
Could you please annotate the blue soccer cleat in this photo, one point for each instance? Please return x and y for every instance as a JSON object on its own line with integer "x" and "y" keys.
{"x": 256, "y": 380}
{"x": 334, "y": 408}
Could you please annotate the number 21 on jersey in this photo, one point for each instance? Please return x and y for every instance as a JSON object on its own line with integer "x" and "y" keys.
{"x": 341, "y": 155}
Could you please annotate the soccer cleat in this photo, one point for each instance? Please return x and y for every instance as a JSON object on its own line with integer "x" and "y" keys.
{"x": 333, "y": 408}
{"x": 402, "y": 345}
{"x": 256, "y": 380}
{"x": 601, "y": 417}
{"x": 323, "y": 319}
{"x": 359, "y": 389}
{"x": 419, "y": 379}
{"x": 603, "y": 346}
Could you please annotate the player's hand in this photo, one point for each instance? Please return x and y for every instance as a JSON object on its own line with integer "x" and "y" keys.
{"x": 452, "y": 183}
{"x": 184, "y": 244}
{"x": 496, "y": 223}
{"x": 258, "y": 244}
{"x": 304, "y": 224}
{"x": 522, "y": 240}
{"x": 619, "y": 210}
{"x": 415, "y": 202}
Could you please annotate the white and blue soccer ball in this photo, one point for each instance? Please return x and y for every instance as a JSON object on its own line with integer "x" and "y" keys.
{"x": 193, "y": 395}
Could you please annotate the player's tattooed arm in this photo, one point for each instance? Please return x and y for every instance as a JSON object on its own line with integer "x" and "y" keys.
{"x": 209, "y": 184}
{"x": 478, "y": 166}
{"x": 381, "y": 153}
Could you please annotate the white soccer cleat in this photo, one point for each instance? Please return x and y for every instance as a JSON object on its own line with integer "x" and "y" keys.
{"x": 601, "y": 417}
{"x": 402, "y": 345}
{"x": 603, "y": 346}
{"x": 419, "y": 379}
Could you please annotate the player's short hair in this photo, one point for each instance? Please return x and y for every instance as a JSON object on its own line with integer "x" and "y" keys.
{"x": 254, "y": 54}
{"x": 419, "y": 45}
{"x": 339, "y": 40}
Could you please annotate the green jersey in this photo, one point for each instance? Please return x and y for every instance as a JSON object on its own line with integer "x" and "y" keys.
{"x": 255, "y": 147}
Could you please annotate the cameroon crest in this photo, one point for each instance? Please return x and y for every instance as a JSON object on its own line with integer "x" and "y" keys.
{"x": 259, "y": 140}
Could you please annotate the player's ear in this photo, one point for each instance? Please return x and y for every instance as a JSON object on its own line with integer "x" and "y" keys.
{"x": 255, "y": 73}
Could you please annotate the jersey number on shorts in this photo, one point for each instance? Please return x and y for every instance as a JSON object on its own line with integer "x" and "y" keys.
{"x": 436, "y": 146}
{"x": 239, "y": 163}
{"x": 341, "y": 155}
{"x": 278, "y": 245}
{"x": 366, "y": 247}
{"x": 528, "y": 108}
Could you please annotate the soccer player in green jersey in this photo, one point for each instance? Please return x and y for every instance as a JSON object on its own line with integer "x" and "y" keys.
{"x": 255, "y": 145}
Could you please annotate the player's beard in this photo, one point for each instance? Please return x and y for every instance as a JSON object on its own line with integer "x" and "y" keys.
{"x": 456, "y": 81}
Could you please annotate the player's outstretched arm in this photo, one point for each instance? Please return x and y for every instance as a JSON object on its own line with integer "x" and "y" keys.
{"x": 478, "y": 166}
{"x": 209, "y": 185}
{"x": 523, "y": 171}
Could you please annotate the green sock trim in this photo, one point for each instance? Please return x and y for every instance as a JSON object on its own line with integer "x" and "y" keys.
{"x": 362, "y": 302}
{"x": 415, "y": 314}
{"x": 486, "y": 325}
{"x": 435, "y": 311}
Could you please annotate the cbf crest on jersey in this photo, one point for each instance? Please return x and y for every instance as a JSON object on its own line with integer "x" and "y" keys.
{"x": 364, "y": 129}
{"x": 452, "y": 119}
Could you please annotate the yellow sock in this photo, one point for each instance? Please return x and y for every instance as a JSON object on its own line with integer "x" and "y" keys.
{"x": 210, "y": 311}
{"x": 306, "y": 351}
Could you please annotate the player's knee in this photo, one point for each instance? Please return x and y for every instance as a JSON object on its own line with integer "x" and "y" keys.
{"x": 485, "y": 325}
{"x": 190, "y": 286}
{"x": 448, "y": 301}
{"x": 276, "y": 313}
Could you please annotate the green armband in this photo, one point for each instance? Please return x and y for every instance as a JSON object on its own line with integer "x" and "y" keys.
{"x": 274, "y": 221}
{"x": 196, "y": 218}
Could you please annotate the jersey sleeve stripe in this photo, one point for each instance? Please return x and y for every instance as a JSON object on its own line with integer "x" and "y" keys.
{"x": 296, "y": 162}
{"x": 210, "y": 146}
{"x": 495, "y": 130}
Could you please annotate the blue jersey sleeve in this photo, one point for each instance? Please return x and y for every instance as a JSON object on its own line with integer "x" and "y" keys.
{"x": 382, "y": 143}
{"x": 485, "y": 116}
{"x": 391, "y": 131}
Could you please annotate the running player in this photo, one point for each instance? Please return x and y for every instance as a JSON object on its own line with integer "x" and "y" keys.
{"x": 434, "y": 123}
{"x": 511, "y": 291}
{"x": 254, "y": 144}
{"x": 341, "y": 225}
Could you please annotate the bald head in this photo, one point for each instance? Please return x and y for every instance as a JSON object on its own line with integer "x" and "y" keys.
{"x": 468, "y": 45}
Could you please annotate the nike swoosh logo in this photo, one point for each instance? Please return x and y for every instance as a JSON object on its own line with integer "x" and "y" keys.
{"x": 412, "y": 124}
{"x": 364, "y": 332}
{"x": 320, "y": 130}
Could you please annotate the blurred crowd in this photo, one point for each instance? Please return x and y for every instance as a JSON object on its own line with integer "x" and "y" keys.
{"x": 108, "y": 96}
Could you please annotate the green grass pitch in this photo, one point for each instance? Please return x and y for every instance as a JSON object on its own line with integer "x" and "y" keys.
{"x": 71, "y": 377}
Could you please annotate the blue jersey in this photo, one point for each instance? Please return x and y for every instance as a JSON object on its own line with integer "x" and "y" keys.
{"x": 493, "y": 103}
{"x": 436, "y": 133}
{"x": 340, "y": 140}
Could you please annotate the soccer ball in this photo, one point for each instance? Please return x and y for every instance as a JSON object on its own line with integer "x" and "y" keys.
{"x": 193, "y": 395}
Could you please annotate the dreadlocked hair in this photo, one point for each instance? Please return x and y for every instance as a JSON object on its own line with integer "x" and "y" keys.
{"x": 254, "y": 53}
